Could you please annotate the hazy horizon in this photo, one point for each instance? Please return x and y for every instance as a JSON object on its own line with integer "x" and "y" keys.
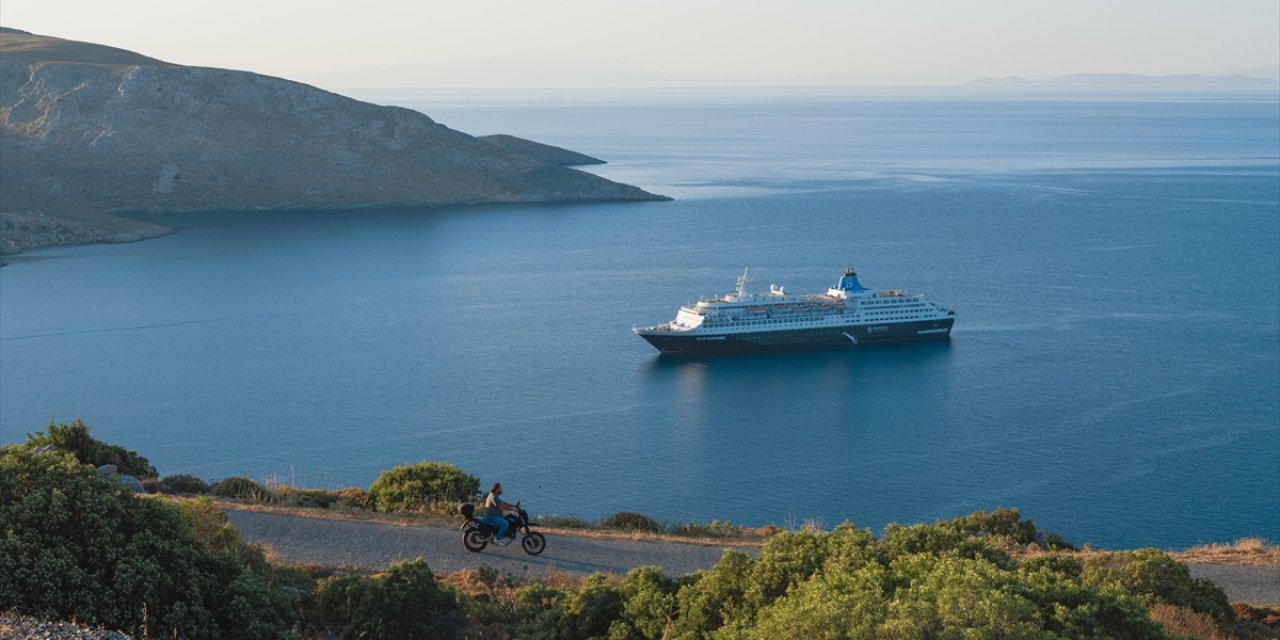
{"x": 699, "y": 43}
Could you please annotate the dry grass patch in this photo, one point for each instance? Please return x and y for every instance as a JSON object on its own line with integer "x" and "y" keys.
{"x": 1245, "y": 551}
{"x": 407, "y": 519}
{"x": 1186, "y": 623}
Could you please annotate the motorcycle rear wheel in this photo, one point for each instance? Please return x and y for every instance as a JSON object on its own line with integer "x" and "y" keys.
{"x": 475, "y": 540}
{"x": 534, "y": 543}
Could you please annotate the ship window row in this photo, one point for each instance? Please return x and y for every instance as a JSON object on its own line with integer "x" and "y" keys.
{"x": 889, "y": 315}
{"x": 757, "y": 322}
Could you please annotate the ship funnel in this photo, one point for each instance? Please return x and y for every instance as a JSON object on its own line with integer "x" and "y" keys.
{"x": 849, "y": 281}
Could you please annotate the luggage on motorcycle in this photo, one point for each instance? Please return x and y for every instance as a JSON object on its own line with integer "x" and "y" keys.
{"x": 467, "y": 510}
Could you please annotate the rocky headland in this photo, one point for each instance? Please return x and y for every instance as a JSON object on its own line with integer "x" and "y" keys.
{"x": 546, "y": 152}
{"x": 90, "y": 132}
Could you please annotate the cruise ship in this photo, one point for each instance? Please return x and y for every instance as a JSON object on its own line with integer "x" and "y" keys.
{"x": 846, "y": 315}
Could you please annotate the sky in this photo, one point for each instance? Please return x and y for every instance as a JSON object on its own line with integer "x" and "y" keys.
{"x": 743, "y": 41}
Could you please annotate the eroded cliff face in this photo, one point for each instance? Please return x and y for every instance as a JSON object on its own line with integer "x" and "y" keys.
{"x": 87, "y": 128}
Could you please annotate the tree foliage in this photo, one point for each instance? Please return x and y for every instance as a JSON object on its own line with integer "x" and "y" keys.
{"x": 75, "y": 439}
{"x": 76, "y": 546}
{"x": 951, "y": 579}
{"x": 241, "y": 487}
{"x": 411, "y": 486}
{"x": 407, "y": 602}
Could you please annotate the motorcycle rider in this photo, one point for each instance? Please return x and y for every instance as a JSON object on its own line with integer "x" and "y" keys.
{"x": 494, "y": 506}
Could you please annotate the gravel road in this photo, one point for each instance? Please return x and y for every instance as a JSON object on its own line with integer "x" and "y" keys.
{"x": 1256, "y": 585}
{"x": 372, "y": 545}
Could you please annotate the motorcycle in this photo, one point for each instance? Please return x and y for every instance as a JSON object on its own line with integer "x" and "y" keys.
{"x": 476, "y": 534}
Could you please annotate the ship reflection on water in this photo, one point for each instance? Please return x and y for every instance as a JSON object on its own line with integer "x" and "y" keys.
{"x": 813, "y": 383}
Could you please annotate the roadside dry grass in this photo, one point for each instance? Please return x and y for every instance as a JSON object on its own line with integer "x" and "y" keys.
{"x": 1254, "y": 552}
{"x": 1245, "y": 551}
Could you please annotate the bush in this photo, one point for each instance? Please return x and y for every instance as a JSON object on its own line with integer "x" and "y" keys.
{"x": 405, "y": 602}
{"x": 713, "y": 598}
{"x": 718, "y": 529}
{"x": 74, "y": 438}
{"x": 352, "y": 497}
{"x": 585, "y": 613}
{"x": 787, "y": 560}
{"x": 75, "y": 546}
{"x": 564, "y": 522}
{"x": 1155, "y": 577}
{"x": 431, "y": 484}
{"x": 211, "y": 528}
{"x": 1058, "y": 543}
{"x": 1005, "y": 523}
{"x": 307, "y": 498}
{"x": 648, "y": 605}
{"x": 242, "y": 488}
{"x": 628, "y": 521}
{"x": 183, "y": 484}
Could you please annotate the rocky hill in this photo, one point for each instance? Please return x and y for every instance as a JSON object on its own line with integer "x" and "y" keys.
{"x": 88, "y": 130}
{"x": 554, "y": 155}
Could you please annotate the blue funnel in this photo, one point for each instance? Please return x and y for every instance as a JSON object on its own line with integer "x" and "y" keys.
{"x": 849, "y": 281}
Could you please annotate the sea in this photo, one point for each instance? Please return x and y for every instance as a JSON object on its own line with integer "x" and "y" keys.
{"x": 1113, "y": 259}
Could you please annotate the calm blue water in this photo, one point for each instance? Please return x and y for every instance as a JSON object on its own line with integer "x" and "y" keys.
{"x": 1114, "y": 371}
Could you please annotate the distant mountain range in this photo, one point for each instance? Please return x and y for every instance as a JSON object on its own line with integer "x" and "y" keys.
{"x": 1135, "y": 81}
{"x": 582, "y": 72}
{"x": 87, "y": 131}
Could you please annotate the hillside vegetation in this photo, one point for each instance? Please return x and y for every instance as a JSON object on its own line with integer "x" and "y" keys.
{"x": 78, "y": 544}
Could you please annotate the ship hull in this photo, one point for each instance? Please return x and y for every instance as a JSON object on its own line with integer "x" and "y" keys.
{"x": 698, "y": 343}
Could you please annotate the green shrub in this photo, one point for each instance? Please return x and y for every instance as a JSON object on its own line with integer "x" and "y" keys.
{"x": 242, "y": 488}
{"x": 587, "y": 612}
{"x": 787, "y": 560}
{"x": 74, "y": 438}
{"x": 836, "y": 605}
{"x": 211, "y": 528}
{"x": 714, "y": 598}
{"x": 945, "y": 580}
{"x": 648, "y": 605}
{"x": 1154, "y": 576}
{"x": 1058, "y": 543}
{"x": 487, "y": 598}
{"x": 628, "y": 521}
{"x": 715, "y": 529}
{"x": 405, "y": 602}
{"x": 75, "y": 546}
{"x": 306, "y": 498}
{"x": 532, "y": 601}
{"x": 1005, "y": 523}
{"x": 901, "y": 540}
{"x": 429, "y": 484}
{"x": 1055, "y": 563}
{"x": 183, "y": 484}
{"x": 564, "y": 522}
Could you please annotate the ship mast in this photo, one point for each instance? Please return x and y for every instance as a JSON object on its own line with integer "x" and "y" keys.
{"x": 742, "y": 284}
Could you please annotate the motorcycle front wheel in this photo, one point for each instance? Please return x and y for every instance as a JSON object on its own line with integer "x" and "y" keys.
{"x": 533, "y": 543}
{"x": 474, "y": 540}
